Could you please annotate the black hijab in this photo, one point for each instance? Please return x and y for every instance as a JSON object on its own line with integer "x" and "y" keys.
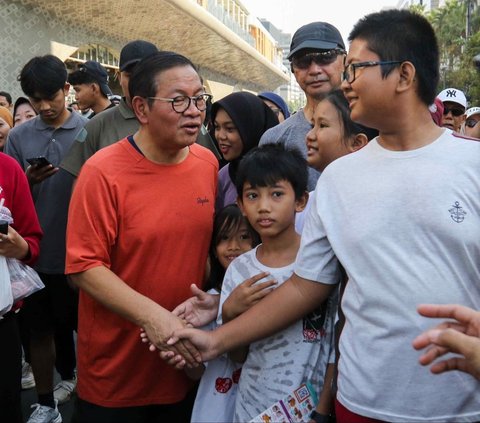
{"x": 251, "y": 116}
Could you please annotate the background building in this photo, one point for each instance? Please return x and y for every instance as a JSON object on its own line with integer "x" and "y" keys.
{"x": 231, "y": 48}
{"x": 291, "y": 91}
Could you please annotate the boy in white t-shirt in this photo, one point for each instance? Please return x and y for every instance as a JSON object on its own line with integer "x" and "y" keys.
{"x": 271, "y": 184}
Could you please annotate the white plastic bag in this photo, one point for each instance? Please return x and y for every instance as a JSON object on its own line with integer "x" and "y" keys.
{"x": 25, "y": 281}
{"x": 22, "y": 279}
{"x": 6, "y": 297}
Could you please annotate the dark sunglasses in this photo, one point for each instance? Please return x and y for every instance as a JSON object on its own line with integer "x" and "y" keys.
{"x": 455, "y": 111}
{"x": 320, "y": 58}
{"x": 471, "y": 123}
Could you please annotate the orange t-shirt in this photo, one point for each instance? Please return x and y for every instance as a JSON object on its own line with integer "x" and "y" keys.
{"x": 151, "y": 225}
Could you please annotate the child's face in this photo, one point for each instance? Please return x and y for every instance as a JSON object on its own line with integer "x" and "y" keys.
{"x": 325, "y": 141}
{"x": 236, "y": 243}
{"x": 270, "y": 210}
{"x": 227, "y": 136}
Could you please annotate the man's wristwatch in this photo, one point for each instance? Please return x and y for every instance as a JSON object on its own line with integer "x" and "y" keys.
{"x": 320, "y": 418}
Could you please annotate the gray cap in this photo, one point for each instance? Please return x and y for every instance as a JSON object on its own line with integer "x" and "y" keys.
{"x": 135, "y": 51}
{"x": 316, "y": 35}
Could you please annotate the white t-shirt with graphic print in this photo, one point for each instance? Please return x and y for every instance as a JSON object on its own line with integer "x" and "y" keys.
{"x": 278, "y": 364}
{"x": 215, "y": 400}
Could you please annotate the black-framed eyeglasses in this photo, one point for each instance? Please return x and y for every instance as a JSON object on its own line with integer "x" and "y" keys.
{"x": 180, "y": 103}
{"x": 320, "y": 58}
{"x": 456, "y": 111}
{"x": 471, "y": 123}
{"x": 348, "y": 73}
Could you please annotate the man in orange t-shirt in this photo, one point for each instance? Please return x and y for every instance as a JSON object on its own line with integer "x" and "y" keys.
{"x": 140, "y": 223}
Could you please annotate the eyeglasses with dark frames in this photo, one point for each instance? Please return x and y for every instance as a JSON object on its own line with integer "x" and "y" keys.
{"x": 180, "y": 103}
{"x": 348, "y": 73}
{"x": 471, "y": 123}
{"x": 456, "y": 111}
{"x": 320, "y": 58}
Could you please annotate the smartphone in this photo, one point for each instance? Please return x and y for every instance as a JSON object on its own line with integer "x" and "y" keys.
{"x": 38, "y": 161}
{"x": 4, "y": 227}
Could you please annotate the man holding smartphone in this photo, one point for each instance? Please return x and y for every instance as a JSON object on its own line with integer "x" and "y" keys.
{"x": 50, "y": 314}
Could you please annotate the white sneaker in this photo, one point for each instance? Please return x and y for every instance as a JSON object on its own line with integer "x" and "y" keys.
{"x": 28, "y": 381}
{"x": 44, "y": 414}
{"x": 64, "y": 389}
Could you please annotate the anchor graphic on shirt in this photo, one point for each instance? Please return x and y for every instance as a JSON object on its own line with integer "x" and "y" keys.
{"x": 457, "y": 213}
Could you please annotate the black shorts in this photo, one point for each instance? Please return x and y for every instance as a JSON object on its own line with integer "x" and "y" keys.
{"x": 181, "y": 412}
{"x": 53, "y": 308}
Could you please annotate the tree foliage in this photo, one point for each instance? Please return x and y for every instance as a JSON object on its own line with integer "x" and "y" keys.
{"x": 456, "y": 49}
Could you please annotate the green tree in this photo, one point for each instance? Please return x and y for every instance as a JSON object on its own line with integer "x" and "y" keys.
{"x": 449, "y": 25}
{"x": 456, "y": 51}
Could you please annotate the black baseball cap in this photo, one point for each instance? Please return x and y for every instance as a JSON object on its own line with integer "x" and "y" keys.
{"x": 135, "y": 51}
{"x": 316, "y": 35}
{"x": 98, "y": 73}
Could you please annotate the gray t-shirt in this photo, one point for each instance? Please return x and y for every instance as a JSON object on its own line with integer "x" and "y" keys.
{"x": 104, "y": 129}
{"x": 292, "y": 133}
{"x": 280, "y": 363}
{"x": 52, "y": 196}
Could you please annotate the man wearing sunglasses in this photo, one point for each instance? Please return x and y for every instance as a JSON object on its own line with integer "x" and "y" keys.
{"x": 454, "y": 105}
{"x": 316, "y": 56}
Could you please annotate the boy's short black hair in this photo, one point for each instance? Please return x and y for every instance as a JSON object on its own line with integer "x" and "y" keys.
{"x": 270, "y": 163}
{"x": 43, "y": 76}
{"x": 143, "y": 81}
{"x": 407, "y": 36}
{"x": 7, "y": 96}
{"x": 78, "y": 78}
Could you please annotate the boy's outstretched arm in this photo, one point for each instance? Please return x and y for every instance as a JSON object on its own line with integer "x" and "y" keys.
{"x": 286, "y": 304}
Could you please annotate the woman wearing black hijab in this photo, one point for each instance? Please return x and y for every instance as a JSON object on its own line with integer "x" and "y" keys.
{"x": 239, "y": 121}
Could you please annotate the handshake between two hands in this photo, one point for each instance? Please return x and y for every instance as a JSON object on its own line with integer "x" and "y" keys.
{"x": 185, "y": 346}
{"x": 180, "y": 344}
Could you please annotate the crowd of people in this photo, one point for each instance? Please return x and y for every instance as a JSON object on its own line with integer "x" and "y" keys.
{"x": 230, "y": 260}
